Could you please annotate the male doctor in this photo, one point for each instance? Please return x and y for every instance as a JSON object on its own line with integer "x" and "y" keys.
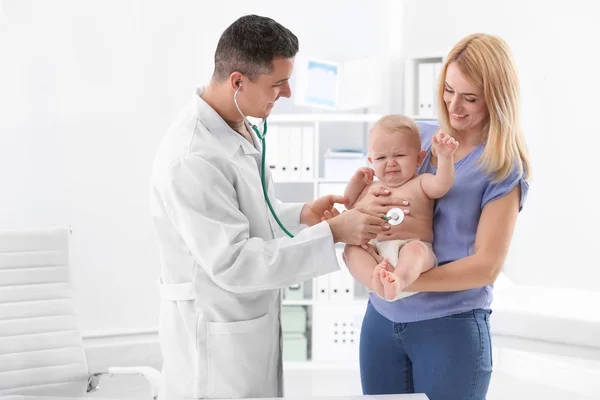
{"x": 224, "y": 260}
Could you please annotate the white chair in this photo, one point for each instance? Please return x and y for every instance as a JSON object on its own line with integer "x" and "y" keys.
{"x": 41, "y": 349}
{"x": 556, "y": 321}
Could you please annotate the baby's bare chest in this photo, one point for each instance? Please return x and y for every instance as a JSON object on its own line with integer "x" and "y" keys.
{"x": 410, "y": 191}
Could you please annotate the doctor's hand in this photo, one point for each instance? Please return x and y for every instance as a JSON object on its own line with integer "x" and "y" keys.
{"x": 330, "y": 214}
{"x": 356, "y": 226}
{"x": 314, "y": 211}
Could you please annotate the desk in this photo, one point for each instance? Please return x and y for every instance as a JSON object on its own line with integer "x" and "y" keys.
{"x": 417, "y": 396}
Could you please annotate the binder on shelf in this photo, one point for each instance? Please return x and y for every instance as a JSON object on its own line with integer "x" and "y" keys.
{"x": 437, "y": 70}
{"x": 295, "y": 153}
{"x": 425, "y": 90}
{"x": 272, "y": 153}
{"x": 322, "y": 287}
{"x": 334, "y": 286}
{"x": 308, "y": 156}
{"x": 284, "y": 153}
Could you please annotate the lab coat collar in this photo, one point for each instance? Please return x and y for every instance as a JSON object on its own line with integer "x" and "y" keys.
{"x": 216, "y": 125}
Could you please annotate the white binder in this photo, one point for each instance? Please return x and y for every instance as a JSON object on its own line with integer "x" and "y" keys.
{"x": 295, "y": 152}
{"x": 334, "y": 286}
{"x": 284, "y": 153}
{"x": 272, "y": 153}
{"x": 322, "y": 288}
{"x": 425, "y": 93}
{"x": 437, "y": 70}
{"x": 308, "y": 154}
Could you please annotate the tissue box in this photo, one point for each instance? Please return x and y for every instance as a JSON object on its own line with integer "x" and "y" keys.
{"x": 340, "y": 164}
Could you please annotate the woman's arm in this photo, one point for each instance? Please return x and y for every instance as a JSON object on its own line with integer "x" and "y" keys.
{"x": 492, "y": 241}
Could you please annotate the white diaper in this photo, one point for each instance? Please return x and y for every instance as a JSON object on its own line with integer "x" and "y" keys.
{"x": 389, "y": 249}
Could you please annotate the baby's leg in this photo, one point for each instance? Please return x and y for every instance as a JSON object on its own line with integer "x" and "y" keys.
{"x": 389, "y": 250}
{"x": 361, "y": 265}
{"x": 381, "y": 270}
{"x": 414, "y": 258}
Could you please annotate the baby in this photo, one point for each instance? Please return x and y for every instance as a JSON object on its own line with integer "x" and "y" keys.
{"x": 395, "y": 153}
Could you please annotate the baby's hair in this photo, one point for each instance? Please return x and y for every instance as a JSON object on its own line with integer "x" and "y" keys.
{"x": 400, "y": 124}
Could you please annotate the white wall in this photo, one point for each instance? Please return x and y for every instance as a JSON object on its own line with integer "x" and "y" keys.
{"x": 555, "y": 46}
{"x": 87, "y": 89}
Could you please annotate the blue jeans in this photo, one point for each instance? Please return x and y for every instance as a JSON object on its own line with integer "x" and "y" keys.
{"x": 447, "y": 358}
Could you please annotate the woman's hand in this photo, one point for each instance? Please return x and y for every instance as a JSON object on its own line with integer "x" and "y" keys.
{"x": 380, "y": 200}
{"x": 372, "y": 250}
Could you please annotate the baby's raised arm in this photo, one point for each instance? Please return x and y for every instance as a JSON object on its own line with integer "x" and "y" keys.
{"x": 436, "y": 186}
{"x": 361, "y": 178}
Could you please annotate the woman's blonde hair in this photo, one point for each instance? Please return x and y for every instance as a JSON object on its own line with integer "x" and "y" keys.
{"x": 487, "y": 64}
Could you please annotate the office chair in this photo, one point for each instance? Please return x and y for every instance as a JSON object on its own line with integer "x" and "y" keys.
{"x": 41, "y": 348}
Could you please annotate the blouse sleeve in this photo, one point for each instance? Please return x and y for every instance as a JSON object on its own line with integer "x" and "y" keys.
{"x": 496, "y": 190}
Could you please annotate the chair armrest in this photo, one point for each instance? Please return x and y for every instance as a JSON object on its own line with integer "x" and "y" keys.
{"x": 149, "y": 373}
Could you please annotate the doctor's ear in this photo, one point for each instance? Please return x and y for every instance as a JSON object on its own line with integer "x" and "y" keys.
{"x": 236, "y": 80}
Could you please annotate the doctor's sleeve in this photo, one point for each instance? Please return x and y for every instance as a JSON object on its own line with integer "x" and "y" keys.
{"x": 203, "y": 205}
{"x": 289, "y": 214}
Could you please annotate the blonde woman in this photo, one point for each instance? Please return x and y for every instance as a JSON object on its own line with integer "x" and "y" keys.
{"x": 438, "y": 340}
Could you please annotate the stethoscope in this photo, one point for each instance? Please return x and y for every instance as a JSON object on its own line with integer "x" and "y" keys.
{"x": 263, "y": 178}
{"x": 394, "y": 216}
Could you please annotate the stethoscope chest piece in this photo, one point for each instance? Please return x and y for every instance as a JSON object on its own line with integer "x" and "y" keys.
{"x": 395, "y": 216}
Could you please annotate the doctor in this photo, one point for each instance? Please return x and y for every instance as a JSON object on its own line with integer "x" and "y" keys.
{"x": 224, "y": 259}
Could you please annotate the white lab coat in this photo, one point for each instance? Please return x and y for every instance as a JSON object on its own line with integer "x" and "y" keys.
{"x": 224, "y": 260}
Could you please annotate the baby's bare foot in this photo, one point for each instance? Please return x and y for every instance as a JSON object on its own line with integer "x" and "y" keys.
{"x": 376, "y": 280}
{"x": 392, "y": 286}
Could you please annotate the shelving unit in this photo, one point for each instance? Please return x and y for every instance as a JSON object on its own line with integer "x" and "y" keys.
{"x": 334, "y": 320}
{"x": 421, "y": 78}
{"x": 316, "y": 122}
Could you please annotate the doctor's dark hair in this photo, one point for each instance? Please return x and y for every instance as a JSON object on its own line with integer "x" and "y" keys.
{"x": 249, "y": 46}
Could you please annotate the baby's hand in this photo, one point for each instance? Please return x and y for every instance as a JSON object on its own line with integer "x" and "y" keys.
{"x": 444, "y": 145}
{"x": 365, "y": 175}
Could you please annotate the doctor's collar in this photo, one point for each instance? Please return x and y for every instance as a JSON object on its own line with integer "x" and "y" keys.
{"x": 220, "y": 129}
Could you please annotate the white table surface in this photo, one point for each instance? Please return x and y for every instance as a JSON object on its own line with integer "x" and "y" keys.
{"x": 417, "y": 396}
